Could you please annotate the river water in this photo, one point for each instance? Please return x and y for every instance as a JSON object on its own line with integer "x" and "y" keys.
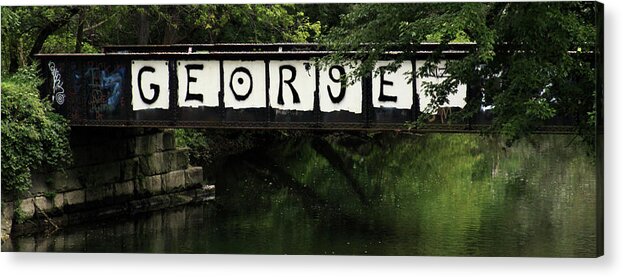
{"x": 383, "y": 194}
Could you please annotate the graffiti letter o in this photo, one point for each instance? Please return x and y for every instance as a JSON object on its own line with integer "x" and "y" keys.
{"x": 240, "y": 80}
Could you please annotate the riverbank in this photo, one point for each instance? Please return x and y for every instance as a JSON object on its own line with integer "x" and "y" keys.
{"x": 115, "y": 171}
{"x": 53, "y": 223}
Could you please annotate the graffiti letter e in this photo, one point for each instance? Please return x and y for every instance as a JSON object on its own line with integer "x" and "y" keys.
{"x": 382, "y": 96}
{"x": 192, "y": 96}
{"x": 154, "y": 87}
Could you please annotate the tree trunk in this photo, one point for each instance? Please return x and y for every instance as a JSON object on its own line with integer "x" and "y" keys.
{"x": 170, "y": 32}
{"x": 80, "y": 30}
{"x": 143, "y": 26}
{"x": 13, "y": 56}
{"x": 49, "y": 29}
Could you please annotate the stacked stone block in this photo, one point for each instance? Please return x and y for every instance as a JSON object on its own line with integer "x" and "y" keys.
{"x": 113, "y": 166}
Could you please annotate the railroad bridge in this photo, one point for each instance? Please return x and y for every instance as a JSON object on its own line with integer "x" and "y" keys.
{"x": 263, "y": 86}
{"x": 255, "y": 86}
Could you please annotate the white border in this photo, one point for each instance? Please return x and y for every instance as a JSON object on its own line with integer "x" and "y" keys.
{"x": 48, "y": 264}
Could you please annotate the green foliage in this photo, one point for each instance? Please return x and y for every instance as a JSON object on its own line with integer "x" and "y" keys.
{"x": 521, "y": 57}
{"x": 328, "y": 15}
{"x": 264, "y": 23}
{"x": 196, "y": 141}
{"x": 65, "y": 43}
{"x": 50, "y": 195}
{"x": 199, "y": 24}
{"x": 7, "y": 17}
{"x": 18, "y": 215}
{"x": 209, "y": 146}
{"x": 33, "y": 136}
{"x": 22, "y": 27}
{"x": 58, "y": 26}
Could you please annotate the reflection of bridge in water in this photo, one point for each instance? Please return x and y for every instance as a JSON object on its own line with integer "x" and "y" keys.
{"x": 260, "y": 86}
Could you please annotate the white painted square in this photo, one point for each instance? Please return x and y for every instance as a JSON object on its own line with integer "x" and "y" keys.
{"x": 208, "y": 83}
{"x": 304, "y": 84}
{"x": 159, "y": 77}
{"x": 455, "y": 100}
{"x": 398, "y": 86}
{"x": 353, "y": 96}
{"x": 253, "y": 87}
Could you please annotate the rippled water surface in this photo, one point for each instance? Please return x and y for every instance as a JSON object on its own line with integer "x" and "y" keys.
{"x": 384, "y": 195}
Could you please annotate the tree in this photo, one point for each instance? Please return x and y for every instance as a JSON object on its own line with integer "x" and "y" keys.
{"x": 25, "y": 30}
{"x": 33, "y": 136}
{"x": 529, "y": 59}
{"x": 201, "y": 24}
{"x": 328, "y": 15}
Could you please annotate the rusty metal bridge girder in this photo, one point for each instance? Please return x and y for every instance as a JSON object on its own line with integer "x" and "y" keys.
{"x": 95, "y": 90}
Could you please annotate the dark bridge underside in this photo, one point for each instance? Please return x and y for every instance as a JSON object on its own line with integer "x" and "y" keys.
{"x": 96, "y": 90}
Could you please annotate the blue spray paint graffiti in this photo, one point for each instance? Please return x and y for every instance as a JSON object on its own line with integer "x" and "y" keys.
{"x": 113, "y": 81}
{"x": 105, "y": 88}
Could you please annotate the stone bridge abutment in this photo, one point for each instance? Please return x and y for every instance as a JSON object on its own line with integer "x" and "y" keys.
{"x": 114, "y": 171}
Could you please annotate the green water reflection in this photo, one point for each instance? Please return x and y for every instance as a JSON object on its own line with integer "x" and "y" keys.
{"x": 373, "y": 195}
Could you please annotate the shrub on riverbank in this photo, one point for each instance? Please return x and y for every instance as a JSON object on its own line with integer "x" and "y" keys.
{"x": 33, "y": 136}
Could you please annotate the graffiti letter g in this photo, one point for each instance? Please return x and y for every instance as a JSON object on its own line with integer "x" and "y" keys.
{"x": 154, "y": 87}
